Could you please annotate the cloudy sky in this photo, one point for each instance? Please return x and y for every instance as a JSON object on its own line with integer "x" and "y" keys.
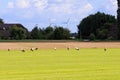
{"x": 67, "y": 13}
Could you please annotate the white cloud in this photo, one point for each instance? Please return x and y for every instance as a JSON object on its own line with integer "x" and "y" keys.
{"x": 28, "y": 8}
{"x": 112, "y": 5}
{"x": 88, "y": 6}
{"x": 69, "y": 6}
{"x": 28, "y": 4}
{"x": 22, "y": 3}
{"x": 114, "y": 2}
{"x": 10, "y": 5}
{"x": 40, "y": 4}
{"x": 52, "y": 20}
{"x": 85, "y": 9}
{"x": 61, "y": 8}
{"x": 27, "y": 15}
{"x": 56, "y": 6}
{"x": 50, "y": 8}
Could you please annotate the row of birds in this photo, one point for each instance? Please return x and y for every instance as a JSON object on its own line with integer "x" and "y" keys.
{"x": 23, "y": 50}
{"x": 32, "y": 49}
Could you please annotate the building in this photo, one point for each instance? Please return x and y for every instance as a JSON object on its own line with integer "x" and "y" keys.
{"x": 5, "y": 30}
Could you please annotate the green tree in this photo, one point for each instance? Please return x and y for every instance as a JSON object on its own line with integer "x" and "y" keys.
{"x": 118, "y": 18}
{"x": 56, "y": 33}
{"x": 95, "y": 22}
{"x": 92, "y": 36}
{"x": 66, "y": 33}
{"x": 36, "y": 33}
{"x": 17, "y": 32}
{"x": 102, "y": 34}
{"x": 49, "y": 32}
{"x": 1, "y": 21}
{"x": 61, "y": 33}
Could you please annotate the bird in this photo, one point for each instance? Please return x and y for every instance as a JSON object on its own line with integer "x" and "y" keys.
{"x": 9, "y": 49}
{"x": 36, "y": 48}
{"x": 105, "y": 49}
{"x": 76, "y": 48}
{"x": 22, "y": 50}
{"x": 55, "y": 48}
{"x": 32, "y": 49}
{"x": 68, "y": 48}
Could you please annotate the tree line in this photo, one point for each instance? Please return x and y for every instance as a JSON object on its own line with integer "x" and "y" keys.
{"x": 98, "y": 26}
{"x": 49, "y": 33}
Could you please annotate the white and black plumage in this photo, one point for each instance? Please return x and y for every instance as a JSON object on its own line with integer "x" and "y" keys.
{"x": 32, "y": 49}
{"x": 76, "y": 48}
{"x": 23, "y": 50}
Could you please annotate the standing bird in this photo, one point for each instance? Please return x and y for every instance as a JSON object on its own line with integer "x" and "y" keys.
{"x": 55, "y": 48}
{"x": 36, "y": 48}
{"x": 9, "y": 49}
{"x": 22, "y": 50}
{"x": 105, "y": 49}
{"x": 32, "y": 49}
{"x": 68, "y": 48}
{"x": 76, "y": 48}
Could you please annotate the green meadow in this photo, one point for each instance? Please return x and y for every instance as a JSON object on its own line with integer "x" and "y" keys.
{"x": 85, "y": 64}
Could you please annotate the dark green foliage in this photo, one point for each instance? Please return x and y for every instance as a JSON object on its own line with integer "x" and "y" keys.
{"x": 95, "y": 24}
{"x": 17, "y": 33}
{"x": 48, "y": 32}
{"x": 56, "y": 33}
{"x": 36, "y": 33}
{"x": 1, "y": 21}
{"x": 102, "y": 34}
{"x": 92, "y": 36}
{"x": 66, "y": 33}
{"x": 118, "y": 18}
{"x": 61, "y": 33}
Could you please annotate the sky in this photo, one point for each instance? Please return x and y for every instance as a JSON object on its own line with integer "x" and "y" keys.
{"x": 66, "y": 13}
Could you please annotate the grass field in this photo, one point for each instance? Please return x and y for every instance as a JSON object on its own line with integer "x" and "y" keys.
{"x": 85, "y": 64}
